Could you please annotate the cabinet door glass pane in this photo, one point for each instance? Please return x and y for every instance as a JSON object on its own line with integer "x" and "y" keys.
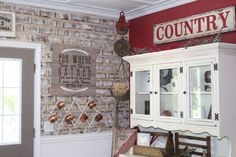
{"x": 142, "y": 92}
{"x": 200, "y": 92}
{"x": 168, "y": 92}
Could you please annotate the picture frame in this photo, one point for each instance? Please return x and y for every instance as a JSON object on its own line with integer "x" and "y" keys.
{"x": 73, "y": 70}
{"x": 143, "y": 139}
{"x": 7, "y": 24}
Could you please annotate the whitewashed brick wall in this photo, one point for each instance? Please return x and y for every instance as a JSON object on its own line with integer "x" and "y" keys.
{"x": 45, "y": 26}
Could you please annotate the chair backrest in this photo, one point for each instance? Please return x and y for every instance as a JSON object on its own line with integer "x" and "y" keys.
{"x": 202, "y": 143}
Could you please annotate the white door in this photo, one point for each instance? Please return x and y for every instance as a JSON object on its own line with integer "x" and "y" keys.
{"x": 16, "y": 102}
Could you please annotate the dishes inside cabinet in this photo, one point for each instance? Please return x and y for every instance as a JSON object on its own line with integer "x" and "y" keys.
{"x": 207, "y": 88}
{"x": 166, "y": 113}
{"x": 207, "y": 76}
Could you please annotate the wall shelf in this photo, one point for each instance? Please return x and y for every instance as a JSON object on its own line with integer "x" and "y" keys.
{"x": 75, "y": 114}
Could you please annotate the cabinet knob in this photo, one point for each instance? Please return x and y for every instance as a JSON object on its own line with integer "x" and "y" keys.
{"x": 155, "y": 92}
{"x": 184, "y": 92}
{"x": 150, "y": 92}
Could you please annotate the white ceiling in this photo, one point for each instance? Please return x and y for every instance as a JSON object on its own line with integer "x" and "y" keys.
{"x": 109, "y": 8}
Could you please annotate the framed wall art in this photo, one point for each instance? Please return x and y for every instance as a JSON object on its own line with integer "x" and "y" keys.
{"x": 73, "y": 70}
{"x": 7, "y": 24}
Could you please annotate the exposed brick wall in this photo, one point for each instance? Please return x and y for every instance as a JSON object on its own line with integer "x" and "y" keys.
{"x": 45, "y": 26}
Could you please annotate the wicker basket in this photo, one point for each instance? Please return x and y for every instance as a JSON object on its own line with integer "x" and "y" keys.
{"x": 120, "y": 90}
{"x": 120, "y": 85}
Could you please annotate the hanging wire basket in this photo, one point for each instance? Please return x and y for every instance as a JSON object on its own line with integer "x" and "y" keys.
{"x": 120, "y": 86}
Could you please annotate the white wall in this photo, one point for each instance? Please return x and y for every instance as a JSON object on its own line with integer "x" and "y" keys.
{"x": 220, "y": 148}
{"x": 81, "y": 145}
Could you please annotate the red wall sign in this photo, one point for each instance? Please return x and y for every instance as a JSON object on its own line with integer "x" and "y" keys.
{"x": 221, "y": 20}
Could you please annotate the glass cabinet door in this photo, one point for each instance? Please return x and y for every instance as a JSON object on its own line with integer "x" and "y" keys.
{"x": 168, "y": 92}
{"x": 200, "y": 92}
{"x": 143, "y": 91}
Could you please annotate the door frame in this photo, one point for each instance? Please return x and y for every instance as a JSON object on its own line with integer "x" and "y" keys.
{"x": 37, "y": 85}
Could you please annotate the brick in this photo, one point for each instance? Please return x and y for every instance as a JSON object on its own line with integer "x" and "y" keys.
{"x": 59, "y": 23}
{"x": 108, "y": 37}
{"x": 23, "y": 37}
{"x": 45, "y": 13}
{"x": 102, "y": 44}
{"x": 31, "y": 11}
{"x": 52, "y": 39}
{"x": 51, "y": 22}
{"x": 39, "y": 38}
{"x": 82, "y": 35}
{"x": 19, "y": 9}
{"x": 30, "y": 29}
{"x": 94, "y": 36}
{"x": 106, "y": 84}
{"x": 85, "y": 43}
{"x": 100, "y": 29}
{"x": 102, "y": 91}
{"x": 80, "y": 18}
{"x": 64, "y": 16}
{"x": 77, "y": 26}
{"x": 85, "y": 26}
{"x": 100, "y": 59}
{"x": 107, "y": 52}
{"x": 22, "y": 19}
{"x": 70, "y": 40}
{"x": 68, "y": 25}
{"x": 46, "y": 30}
{"x": 61, "y": 32}
{"x": 109, "y": 22}
{"x": 19, "y": 28}
{"x": 100, "y": 75}
{"x": 94, "y": 20}
{"x": 37, "y": 21}
{"x": 111, "y": 30}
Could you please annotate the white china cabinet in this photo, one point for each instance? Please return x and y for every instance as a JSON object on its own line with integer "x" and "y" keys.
{"x": 188, "y": 89}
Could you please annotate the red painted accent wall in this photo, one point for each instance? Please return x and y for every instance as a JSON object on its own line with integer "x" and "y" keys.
{"x": 141, "y": 29}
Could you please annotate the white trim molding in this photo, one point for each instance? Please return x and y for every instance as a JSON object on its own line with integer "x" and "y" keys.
{"x": 156, "y": 8}
{"x": 100, "y": 11}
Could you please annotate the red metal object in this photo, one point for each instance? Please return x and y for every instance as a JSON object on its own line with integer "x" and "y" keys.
{"x": 122, "y": 26}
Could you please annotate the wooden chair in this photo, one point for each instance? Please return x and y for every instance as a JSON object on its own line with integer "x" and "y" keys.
{"x": 183, "y": 141}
